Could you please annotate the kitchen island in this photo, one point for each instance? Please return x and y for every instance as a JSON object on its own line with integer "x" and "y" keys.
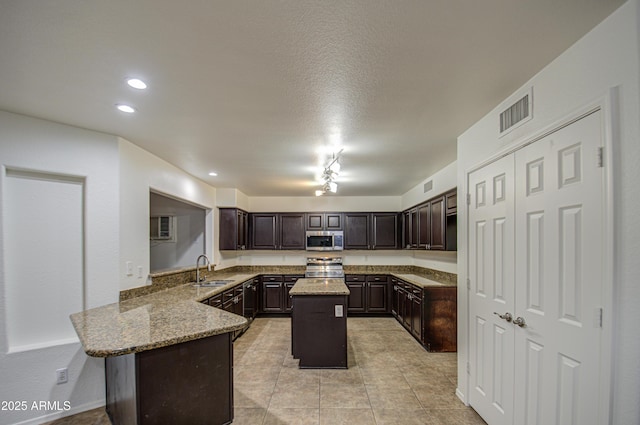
{"x": 168, "y": 357}
{"x": 319, "y": 323}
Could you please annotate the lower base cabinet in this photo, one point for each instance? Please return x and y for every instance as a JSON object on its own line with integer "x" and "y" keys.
{"x": 275, "y": 293}
{"x": 195, "y": 386}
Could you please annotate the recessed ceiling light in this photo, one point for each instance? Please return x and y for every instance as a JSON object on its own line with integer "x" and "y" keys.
{"x": 126, "y": 108}
{"x": 212, "y": 174}
{"x": 137, "y": 84}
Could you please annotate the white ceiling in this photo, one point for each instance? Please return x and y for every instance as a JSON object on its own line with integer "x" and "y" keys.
{"x": 252, "y": 89}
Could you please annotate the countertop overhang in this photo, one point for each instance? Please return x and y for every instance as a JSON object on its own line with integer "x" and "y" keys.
{"x": 157, "y": 320}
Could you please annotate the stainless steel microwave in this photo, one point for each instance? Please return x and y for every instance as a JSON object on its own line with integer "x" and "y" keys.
{"x": 332, "y": 240}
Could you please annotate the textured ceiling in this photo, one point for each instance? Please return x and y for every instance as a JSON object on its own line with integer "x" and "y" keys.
{"x": 253, "y": 89}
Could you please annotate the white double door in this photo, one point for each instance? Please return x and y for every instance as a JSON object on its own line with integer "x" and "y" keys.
{"x": 536, "y": 270}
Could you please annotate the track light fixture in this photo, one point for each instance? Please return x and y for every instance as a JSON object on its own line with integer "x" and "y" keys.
{"x": 330, "y": 174}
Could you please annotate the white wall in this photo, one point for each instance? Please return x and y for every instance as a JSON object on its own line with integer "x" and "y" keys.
{"x": 606, "y": 57}
{"x": 141, "y": 172}
{"x": 37, "y": 145}
{"x": 443, "y": 181}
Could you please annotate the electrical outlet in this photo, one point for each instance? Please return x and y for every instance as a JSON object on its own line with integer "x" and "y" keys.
{"x": 129, "y": 267}
{"x": 139, "y": 272}
{"x": 62, "y": 376}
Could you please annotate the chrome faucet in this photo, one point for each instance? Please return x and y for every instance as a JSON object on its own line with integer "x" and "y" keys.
{"x": 208, "y": 263}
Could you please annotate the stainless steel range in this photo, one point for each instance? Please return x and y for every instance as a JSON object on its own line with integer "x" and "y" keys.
{"x": 324, "y": 267}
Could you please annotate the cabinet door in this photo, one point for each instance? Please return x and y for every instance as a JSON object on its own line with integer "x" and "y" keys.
{"x": 333, "y": 221}
{"x": 394, "y": 297}
{"x": 292, "y": 231}
{"x": 233, "y": 229}
{"x": 377, "y": 297}
{"x": 264, "y": 231}
{"x": 424, "y": 225}
{"x": 438, "y": 224}
{"x": 384, "y": 230}
{"x": 356, "y": 231}
{"x": 289, "y": 281}
{"x": 314, "y": 221}
{"x": 408, "y": 308}
{"x": 272, "y": 297}
{"x": 451, "y": 200}
{"x": 356, "y": 297}
{"x": 411, "y": 228}
{"x": 416, "y": 313}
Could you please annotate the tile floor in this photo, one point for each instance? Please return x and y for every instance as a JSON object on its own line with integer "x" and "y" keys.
{"x": 391, "y": 379}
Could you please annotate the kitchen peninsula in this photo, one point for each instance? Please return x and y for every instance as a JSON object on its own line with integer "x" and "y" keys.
{"x": 319, "y": 323}
{"x": 168, "y": 356}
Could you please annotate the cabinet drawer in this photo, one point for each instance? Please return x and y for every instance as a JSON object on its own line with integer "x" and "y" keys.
{"x": 272, "y": 278}
{"x": 292, "y": 277}
{"x": 354, "y": 278}
{"x": 377, "y": 278}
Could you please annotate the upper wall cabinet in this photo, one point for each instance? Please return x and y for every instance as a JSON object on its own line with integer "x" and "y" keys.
{"x": 234, "y": 229}
{"x": 277, "y": 230}
{"x": 324, "y": 221}
{"x": 371, "y": 230}
{"x": 432, "y": 224}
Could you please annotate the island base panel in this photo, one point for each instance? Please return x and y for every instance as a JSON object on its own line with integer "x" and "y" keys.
{"x": 319, "y": 338}
{"x": 191, "y": 382}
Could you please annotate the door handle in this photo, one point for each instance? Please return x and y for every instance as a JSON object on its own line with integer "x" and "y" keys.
{"x": 520, "y": 322}
{"x": 507, "y": 316}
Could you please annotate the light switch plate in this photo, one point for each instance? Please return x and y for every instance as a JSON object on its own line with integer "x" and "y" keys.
{"x": 339, "y": 310}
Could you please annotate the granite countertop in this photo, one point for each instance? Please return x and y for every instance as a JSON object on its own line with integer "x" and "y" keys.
{"x": 319, "y": 286}
{"x": 157, "y": 320}
{"x": 419, "y": 280}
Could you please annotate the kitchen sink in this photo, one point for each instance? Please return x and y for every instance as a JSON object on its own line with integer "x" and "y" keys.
{"x": 213, "y": 283}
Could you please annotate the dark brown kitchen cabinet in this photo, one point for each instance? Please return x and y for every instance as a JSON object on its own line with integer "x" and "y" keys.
{"x": 289, "y": 281}
{"x": 263, "y": 230}
{"x": 416, "y": 312}
{"x": 324, "y": 221}
{"x": 437, "y": 224}
{"x": 451, "y": 200}
{"x": 234, "y": 229}
{"x": 368, "y": 294}
{"x": 291, "y": 231}
{"x": 394, "y": 296}
{"x": 384, "y": 230}
{"x": 357, "y": 293}
{"x": 272, "y": 294}
{"x": 371, "y": 230}
{"x": 440, "y": 326}
{"x": 427, "y": 226}
{"x": 410, "y": 228}
{"x": 275, "y": 293}
{"x": 356, "y": 231}
{"x": 277, "y": 230}
{"x": 251, "y": 298}
{"x": 378, "y": 294}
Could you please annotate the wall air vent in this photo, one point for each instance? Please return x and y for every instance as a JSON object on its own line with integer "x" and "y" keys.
{"x": 517, "y": 114}
{"x": 428, "y": 186}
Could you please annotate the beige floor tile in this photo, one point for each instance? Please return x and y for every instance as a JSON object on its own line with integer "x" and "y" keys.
{"x": 252, "y": 397}
{"x": 292, "y": 417}
{"x": 403, "y": 417}
{"x": 303, "y": 377}
{"x": 388, "y": 377}
{"x": 466, "y": 416}
{"x": 347, "y": 417}
{"x": 343, "y": 396}
{"x": 350, "y": 376}
{"x": 296, "y": 396}
{"x": 255, "y": 373}
{"x": 248, "y": 416}
{"x": 392, "y": 398}
{"x": 266, "y": 359}
{"x": 431, "y": 397}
